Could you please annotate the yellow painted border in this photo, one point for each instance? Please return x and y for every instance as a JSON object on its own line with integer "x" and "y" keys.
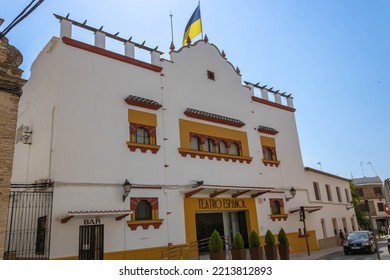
{"x": 191, "y": 207}
{"x": 187, "y": 127}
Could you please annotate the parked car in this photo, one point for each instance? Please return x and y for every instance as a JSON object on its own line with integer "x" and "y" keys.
{"x": 359, "y": 241}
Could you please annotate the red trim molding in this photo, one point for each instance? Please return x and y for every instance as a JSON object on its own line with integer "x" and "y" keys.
{"x": 110, "y": 54}
{"x": 211, "y": 156}
{"x": 279, "y": 217}
{"x": 273, "y": 104}
{"x": 267, "y": 130}
{"x": 133, "y": 225}
{"x": 143, "y": 147}
{"x": 142, "y": 102}
{"x": 271, "y": 162}
{"x": 196, "y": 114}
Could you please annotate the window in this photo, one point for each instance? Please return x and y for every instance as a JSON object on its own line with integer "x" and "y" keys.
{"x": 378, "y": 191}
{"x": 275, "y": 207}
{"x": 142, "y": 136}
{"x": 195, "y": 143}
{"x": 347, "y": 195}
{"x": 268, "y": 154}
{"x": 360, "y": 191}
{"x": 209, "y": 146}
{"x": 328, "y": 192}
{"x": 41, "y": 236}
{"x": 338, "y": 194}
{"x": 222, "y": 148}
{"x": 234, "y": 151}
{"x": 143, "y": 133}
{"x": 269, "y": 151}
{"x": 381, "y": 207}
{"x": 210, "y": 75}
{"x": 323, "y": 226}
{"x": 143, "y": 211}
{"x": 316, "y": 191}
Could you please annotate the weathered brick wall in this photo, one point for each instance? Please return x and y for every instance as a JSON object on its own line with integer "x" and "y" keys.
{"x": 10, "y": 90}
{"x": 8, "y": 109}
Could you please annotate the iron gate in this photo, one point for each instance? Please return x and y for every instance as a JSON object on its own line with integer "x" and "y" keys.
{"x": 28, "y": 225}
{"x": 91, "y": 240}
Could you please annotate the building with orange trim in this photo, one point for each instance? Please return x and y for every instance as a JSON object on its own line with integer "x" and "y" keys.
{"x": 196, "y": 147}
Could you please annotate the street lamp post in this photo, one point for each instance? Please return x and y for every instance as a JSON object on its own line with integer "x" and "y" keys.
{"x": 302, "y": 217}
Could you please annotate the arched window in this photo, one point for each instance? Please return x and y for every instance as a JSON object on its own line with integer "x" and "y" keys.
{"x": 142, "y": 136}
{"x": 143, "y": 211}
{"x": 209, "y": 146}
{"x": 195, "y": 143}
{"x": 276, "y": 207}
{"x": 223, "y": 148}
{"x": 234, "y": 151}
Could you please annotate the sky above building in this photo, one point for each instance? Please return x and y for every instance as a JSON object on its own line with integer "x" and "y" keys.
{"x": 333, "y": 57}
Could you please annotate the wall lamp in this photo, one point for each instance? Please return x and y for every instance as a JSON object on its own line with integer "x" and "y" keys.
{"x": 293, "y": 192}
{"x": 126, "y": 189}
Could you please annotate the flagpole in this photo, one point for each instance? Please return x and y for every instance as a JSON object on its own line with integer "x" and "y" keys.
{"x": 200, "y": 17}
{"x": 171, "y": 25}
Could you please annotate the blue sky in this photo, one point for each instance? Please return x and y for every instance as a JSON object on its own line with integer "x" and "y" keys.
{"x": 333, "y": 56}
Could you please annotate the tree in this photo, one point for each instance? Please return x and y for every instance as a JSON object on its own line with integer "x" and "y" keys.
{"x": 363, "y": 222}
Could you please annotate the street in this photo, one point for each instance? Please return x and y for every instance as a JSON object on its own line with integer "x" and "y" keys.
{"x": 339, "y": 255}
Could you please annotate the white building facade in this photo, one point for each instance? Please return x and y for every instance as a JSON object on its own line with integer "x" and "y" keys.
{"x": 200, "y": 150}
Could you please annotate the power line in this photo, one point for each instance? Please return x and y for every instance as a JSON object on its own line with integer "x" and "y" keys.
{"x": 25, "y": 13}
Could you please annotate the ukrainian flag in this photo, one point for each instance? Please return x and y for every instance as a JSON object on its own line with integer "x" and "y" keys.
{"x": 194, "y": 26}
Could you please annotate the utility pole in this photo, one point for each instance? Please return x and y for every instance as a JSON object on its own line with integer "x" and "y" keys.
{"x": 302, "y": 218}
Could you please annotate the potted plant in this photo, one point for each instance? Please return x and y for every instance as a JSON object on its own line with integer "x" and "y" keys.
{"x": 216, "y": 247}
{"x": 270, "y": 247}
{"x": 255, "y": 251}
{"x": 283, "y": 246}
{"x": 238, "y": 251}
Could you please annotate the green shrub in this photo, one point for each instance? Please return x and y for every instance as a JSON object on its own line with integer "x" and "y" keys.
{"x": 254, "y": 240}
{"x": 215, "y": 243}
{"x": 282, "y": 237}
{"x": 269, "y": 238}
{"x": 238, "y": 242}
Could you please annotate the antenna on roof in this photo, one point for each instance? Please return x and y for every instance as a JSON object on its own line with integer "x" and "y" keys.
{"x": 319, "y": 163}
{"x": 372, "y": 168}
{"x": 361, "y": 165}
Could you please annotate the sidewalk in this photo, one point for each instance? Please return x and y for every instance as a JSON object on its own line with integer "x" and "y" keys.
{"x": 314, "y": 255}
{"x": 318, "y": 254}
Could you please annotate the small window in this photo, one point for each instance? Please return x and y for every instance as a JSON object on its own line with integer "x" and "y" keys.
{"x": 210, "y": 75}
{"x": 142, "y": 136}
{"x": 316, "y": 191}
{"x": 222, "y": 148}
{"x": 347, "y": 195}
{"x": 234, "y": 149}
{"x": 209, "y": 146}
{"x": 195, "y": 144}
{"x": 276, "y": 208}
{"x": 328, "y": 192}
{"x": 381, "y": 207}
{"x": 338, "y": 194}
{"x": 378, "y": 191}
{"x": 143, "y": 211}
{"x": 268, "y": 154}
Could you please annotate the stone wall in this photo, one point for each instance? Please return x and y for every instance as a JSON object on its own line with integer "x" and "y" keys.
{"x": 10, "y": 91}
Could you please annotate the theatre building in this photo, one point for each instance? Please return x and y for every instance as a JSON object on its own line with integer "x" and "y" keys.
{"x": 122, "y": 158}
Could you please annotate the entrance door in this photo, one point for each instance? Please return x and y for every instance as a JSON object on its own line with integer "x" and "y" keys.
{"x": 206, "y": 223}
{"x": 91, "y": 240}
{"x": 243, "y": 227}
